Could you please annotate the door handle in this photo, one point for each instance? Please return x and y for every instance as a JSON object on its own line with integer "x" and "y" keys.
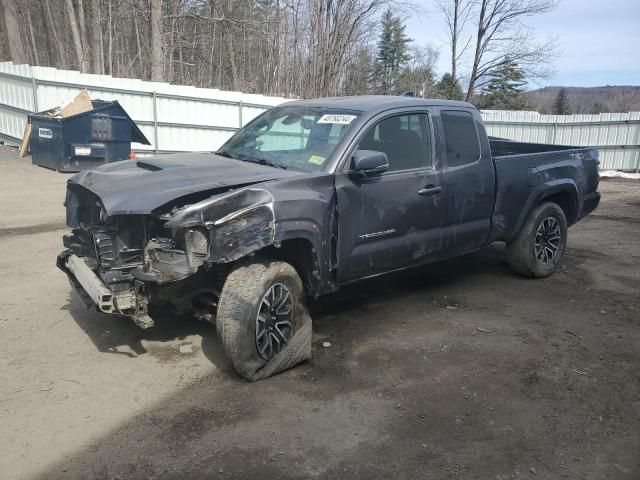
{"x": 430, "y": 190}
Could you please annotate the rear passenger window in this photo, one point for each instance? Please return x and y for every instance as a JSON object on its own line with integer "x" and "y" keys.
{"x": 461, "y": 138}
{"x": 406, "y": 139}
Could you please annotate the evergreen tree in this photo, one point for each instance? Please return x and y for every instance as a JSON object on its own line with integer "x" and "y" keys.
{"x": 561, "y": 106}
{"x": 505, "y": 89}
{"x": 358, "y": 76}
{"x": 392, "y": 54}
{"x": 447, "y": 88}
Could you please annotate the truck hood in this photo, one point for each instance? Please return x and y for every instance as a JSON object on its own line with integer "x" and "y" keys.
{"x": 139, "y": 187}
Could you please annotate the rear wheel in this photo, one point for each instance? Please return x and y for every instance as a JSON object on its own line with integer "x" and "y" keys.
{"x": 258, "y": 313}
{"x": 539, "y": 246}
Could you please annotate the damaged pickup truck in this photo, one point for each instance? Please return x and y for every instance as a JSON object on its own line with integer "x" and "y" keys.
{"x": 310, "y": 196}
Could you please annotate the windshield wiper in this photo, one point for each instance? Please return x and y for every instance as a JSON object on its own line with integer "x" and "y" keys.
{"x": 263, "y": 161}
{"x": 247, "y": 158}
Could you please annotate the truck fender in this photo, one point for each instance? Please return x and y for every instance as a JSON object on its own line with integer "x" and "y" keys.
{"x": 243, "y": 222}
{"x": 301, "y": 247}
{"x": 237, "y": 223}
{"x": 540, "y": 193}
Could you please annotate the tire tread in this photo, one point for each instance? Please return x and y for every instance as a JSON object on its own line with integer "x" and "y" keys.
{"x": 242, "y": 289}
{"x": 519, "y": 251}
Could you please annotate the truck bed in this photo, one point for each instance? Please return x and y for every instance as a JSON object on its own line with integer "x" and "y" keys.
{"x": 502, "y": 148}
{"x": 527, "y": 172}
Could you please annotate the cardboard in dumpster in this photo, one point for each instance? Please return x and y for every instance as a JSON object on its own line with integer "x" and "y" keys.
{"x": 82, "y": 103}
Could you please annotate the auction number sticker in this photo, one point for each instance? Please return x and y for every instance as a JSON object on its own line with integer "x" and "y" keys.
{"x": 337, "y": 118}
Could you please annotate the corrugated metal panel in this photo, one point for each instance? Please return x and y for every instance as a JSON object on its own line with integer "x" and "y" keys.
{"x": 184, "y": 118}
{"x": 617, "y": 135}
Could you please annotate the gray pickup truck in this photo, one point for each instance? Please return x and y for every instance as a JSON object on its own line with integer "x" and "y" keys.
{"x": 310, "y": 196}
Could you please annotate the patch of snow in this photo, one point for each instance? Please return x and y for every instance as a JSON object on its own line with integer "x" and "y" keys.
{"x": 617, "y": 174}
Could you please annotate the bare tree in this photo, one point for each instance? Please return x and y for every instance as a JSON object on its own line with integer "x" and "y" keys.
{"x": 157, "y": 41}
{"x": 419, "y": 74}
{"x": 456, "y": 14}
{"x": 501, "y": 39}
{"x": 299, "y": 48}
{"x": 57, "y": 40}
{"x": 32, "y": 38}
{"x": 97, "y": 62}
{"x": 335, "y": 26}
{"x": 17, "y": 52}
{"x": 78, "y": 43}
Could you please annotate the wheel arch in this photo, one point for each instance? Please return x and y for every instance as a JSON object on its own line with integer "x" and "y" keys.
{"x": 567, "y": 200}
{"x": 304, "y": 257}
{"x": 300, "y": 253}
{"x": 562, "y": 192}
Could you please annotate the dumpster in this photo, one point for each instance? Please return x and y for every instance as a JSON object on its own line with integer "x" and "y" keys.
{"x": 84, "y": 140}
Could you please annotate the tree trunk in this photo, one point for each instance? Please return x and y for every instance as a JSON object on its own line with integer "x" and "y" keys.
{"x": 454, "y": 41}
{"x": 110, "y": 42}
{"x": 81, "y": 22}
{"x": 478, "y": 51}
{"x": 96, "y": 38}
{"x": 157, "y": 41}
{"x": 32, "y": 37}
{"x": 141, "y": 74}
{"x": 60, "y": 47}
{"x": 17, "y": 51}
{"x": 171, "y": 73}
{"x": 83, "y": 63}
{"x": 232, "y": 58}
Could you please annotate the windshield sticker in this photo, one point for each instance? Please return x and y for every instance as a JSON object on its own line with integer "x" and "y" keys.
{"x": 338, "y": 119}
{"x": 316, "y": 159}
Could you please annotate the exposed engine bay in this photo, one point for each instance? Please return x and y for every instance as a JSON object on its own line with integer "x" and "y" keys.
{"x": 175, "y": 255}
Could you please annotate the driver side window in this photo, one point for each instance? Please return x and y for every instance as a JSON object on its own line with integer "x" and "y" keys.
{"x": 406, "y": 139}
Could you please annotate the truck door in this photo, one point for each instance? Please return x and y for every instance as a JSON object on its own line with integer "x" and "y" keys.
{"x": 393, "y": 219}
{"x": 469, "y": 182}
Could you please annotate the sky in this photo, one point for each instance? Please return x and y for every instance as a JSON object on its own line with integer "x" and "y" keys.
{"x": 598, "y": 41}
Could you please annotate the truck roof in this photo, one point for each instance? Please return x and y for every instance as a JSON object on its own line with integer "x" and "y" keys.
{"x": 374, "y": 103}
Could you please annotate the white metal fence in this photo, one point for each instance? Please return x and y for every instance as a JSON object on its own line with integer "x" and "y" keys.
{"x": 616, "y": 135}
{"x": 182, "y": 118}
{"x": 172, "y": 117}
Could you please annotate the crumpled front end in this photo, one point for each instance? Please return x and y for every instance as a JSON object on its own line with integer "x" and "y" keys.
{"x": 174, "y": 255}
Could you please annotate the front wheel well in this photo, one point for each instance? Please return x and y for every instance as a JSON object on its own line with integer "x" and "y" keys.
{"x": 567, "y": 202}
{"x": 299, "y": 253}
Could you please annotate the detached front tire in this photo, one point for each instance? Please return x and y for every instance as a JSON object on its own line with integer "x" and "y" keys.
{"x": 538, "y": 248}
{"x": 260, "y": 310}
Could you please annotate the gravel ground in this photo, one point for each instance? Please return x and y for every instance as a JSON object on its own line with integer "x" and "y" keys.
{"x": 459, "y": 370}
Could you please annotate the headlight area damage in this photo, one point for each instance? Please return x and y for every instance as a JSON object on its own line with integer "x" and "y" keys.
{"x": 177, "y": 255}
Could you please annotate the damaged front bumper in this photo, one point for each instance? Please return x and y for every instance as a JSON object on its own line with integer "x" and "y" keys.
{"x": 176, "y": 256}
{"x": 131, "y": 303}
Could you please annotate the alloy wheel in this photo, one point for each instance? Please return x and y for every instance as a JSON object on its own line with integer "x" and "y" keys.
{"x": 548, "y": 240}
{"x": 274, "y": 323}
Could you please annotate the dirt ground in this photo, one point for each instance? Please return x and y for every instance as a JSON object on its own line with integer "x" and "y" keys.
{"x": 459, "y": 370}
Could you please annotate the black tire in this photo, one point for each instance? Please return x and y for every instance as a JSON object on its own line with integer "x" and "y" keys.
{"x": 240, "y": 301}
{"x": 532, "y": 259}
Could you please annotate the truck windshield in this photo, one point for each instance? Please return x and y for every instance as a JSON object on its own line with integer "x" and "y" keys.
{"x": 300, "y": 138}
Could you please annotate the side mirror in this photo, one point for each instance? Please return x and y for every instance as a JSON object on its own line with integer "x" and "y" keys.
{"x": 370, "y": 162}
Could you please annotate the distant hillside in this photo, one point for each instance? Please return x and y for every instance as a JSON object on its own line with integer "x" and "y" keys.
{"x": 588, "y": 99}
